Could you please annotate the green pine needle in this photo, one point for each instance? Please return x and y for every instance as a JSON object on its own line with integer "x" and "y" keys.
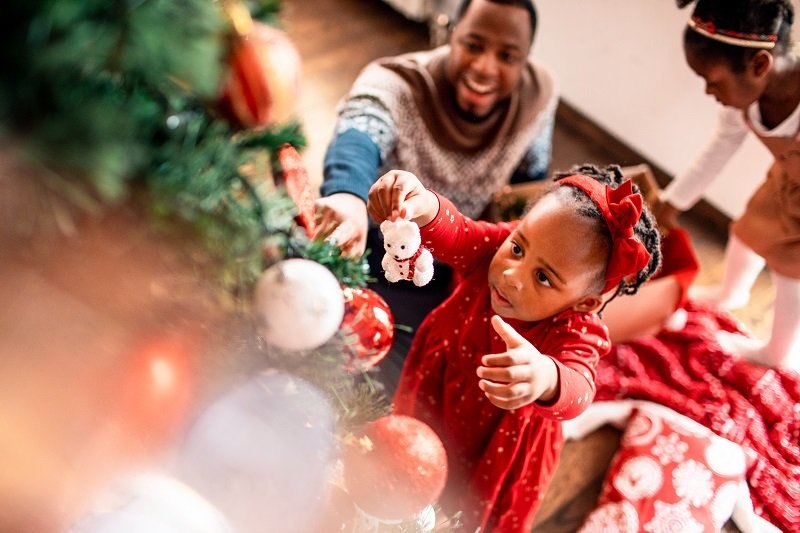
{"x": 274, "y": 138}
{"x": 352, "y": 272}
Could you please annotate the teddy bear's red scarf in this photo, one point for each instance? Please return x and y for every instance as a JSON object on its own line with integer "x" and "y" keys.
{"x": 412, "y": 260}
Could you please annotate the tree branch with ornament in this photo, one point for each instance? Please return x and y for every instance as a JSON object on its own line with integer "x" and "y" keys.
{"x": 154, "y": 220}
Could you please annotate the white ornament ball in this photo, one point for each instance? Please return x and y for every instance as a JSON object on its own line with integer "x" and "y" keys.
{"x": 262, "y": 454}
{"x": 299, "y": 303}
{"x": 152, "y": 503}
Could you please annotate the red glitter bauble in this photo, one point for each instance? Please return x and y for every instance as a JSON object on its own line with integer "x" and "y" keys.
{"x": 395, "y": 467}
{"x": 368, "y": 326}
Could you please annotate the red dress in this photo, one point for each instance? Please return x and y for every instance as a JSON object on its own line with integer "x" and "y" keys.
{"x": 500, "y": 462}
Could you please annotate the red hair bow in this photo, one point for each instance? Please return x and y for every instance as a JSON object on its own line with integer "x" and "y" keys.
{"x": 621, "y": 209}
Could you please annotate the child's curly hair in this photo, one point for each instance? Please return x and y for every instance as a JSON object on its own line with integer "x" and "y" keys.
{"x": 645, "y": 230}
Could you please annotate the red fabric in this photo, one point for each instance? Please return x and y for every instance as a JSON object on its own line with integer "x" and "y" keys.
{"x": 621, "y": 208}
{"x": 679, "y": 261}
{"x": 756, "y": 407}
{"x": 670, "y": 474}
{"x": 499, "y": 461}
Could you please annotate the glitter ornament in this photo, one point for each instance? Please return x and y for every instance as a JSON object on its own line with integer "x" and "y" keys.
{"x": 368, "y": 326}
{"x": 394, "y": 468}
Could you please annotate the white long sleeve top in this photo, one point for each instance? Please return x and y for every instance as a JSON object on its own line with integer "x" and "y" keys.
{"x": 688, "y": 187}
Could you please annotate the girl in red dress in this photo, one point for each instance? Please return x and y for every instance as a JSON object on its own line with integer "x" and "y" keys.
{"x": 512, "y": 351}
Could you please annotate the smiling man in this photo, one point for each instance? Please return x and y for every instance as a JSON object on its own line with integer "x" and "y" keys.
{"x": 467, "y": 118}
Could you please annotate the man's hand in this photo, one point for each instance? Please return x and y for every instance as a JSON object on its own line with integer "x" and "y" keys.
{"x": 342, "y": 217}
{"x": 518, "y": 376}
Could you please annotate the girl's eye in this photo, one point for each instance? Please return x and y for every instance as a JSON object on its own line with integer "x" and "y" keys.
{"x": 542, "y": 278}
{"x": 516, "y": 249}
{"x": 402, "y": 246}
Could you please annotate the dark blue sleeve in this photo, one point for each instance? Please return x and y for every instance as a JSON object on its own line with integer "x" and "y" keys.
{"x": 351, "y": 164}
{"x": 535, "y": 165}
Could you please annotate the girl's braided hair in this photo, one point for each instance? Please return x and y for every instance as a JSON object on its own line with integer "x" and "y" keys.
{"x": 761, "y": 17}
{"x": 645, "y": 230}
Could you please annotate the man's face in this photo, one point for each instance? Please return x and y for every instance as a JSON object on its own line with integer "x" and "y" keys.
{"x": 489, "y": 49}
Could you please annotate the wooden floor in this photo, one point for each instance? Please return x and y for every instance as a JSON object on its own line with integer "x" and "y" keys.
{"x": 336, "y": 38}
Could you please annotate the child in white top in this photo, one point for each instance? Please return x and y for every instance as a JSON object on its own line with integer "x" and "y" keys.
{"x": 742, "y": 49}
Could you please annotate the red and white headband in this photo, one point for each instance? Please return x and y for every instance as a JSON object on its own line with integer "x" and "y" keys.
{"x": 746, "y": 40}
{"x": 621, "y": 208}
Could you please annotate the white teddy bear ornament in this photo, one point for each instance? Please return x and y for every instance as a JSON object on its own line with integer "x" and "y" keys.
{"x": 406, "y": 257}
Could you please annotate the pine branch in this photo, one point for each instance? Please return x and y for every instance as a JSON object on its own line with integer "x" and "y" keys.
{"x": 352, "y": 272}
{"x": 272, "y": 139}
{"x": 265, "y": 10}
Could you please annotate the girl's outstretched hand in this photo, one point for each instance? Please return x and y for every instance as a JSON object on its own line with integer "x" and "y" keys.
{"x": 518, "y": 376}
{"x": 400, "y": 194}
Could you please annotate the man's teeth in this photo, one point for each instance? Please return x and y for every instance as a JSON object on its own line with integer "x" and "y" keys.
{"x": 478, "y": 87}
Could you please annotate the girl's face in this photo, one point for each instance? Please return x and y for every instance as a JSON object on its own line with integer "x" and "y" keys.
{"x": 553, "y": 261}
{"x": 729, "y": 88}
{"x": 489, "y": 49}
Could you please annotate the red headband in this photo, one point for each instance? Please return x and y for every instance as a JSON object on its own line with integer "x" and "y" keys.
{"x": 621, "y": 209}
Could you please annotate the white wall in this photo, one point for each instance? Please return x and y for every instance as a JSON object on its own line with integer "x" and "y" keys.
{"x": 620, "y": 62}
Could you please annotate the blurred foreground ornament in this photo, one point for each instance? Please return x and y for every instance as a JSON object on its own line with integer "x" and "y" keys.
{"x": 394, "y": 468}
{"x": 261, "y": 454}
{"x": 299, "y": 303}
{"x": 369, "y": 327}
{"x": 339, "y": 511}
{"x": 152, "y": 503}
{"x": 155, "y": 390}
{"x": 263, "y": 76}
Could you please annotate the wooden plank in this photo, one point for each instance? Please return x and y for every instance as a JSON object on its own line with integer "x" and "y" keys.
{"x": 577, "y": 481}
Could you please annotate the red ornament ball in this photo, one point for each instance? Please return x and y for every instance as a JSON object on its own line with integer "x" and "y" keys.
{"x": 395, "y": 467}
{"x": 154, "y": 390}
{"x": 369, "y": 327}
{"x": 263, "y": 79}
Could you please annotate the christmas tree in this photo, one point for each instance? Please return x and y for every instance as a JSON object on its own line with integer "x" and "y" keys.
{"x": 163, "y": 293}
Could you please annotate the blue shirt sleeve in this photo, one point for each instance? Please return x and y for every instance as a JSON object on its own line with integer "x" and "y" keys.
{"x": 535, "y": 165}
{"x": 351, "y": 164}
